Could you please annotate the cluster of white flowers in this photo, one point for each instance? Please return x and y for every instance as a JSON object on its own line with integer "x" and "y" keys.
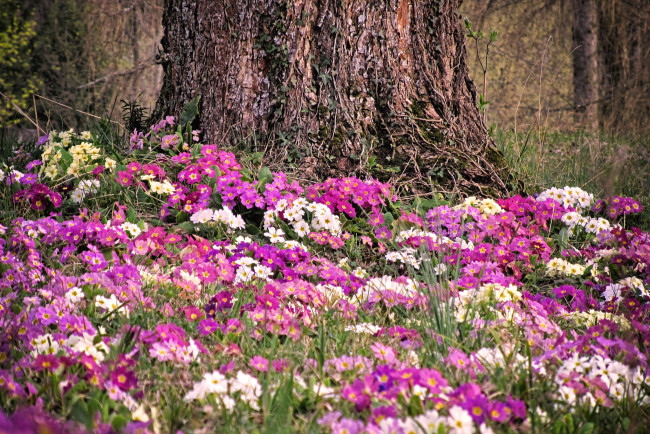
{"x": 162, "y": 188}
{"x": 46, "y": 344}
{"x": 386, "y": 283}
{"x": 569, "y": 197}
{"x": 458, "y": 421}
{"x": 414, "y": 232}
{"x": 85, "y": 344}
{"x": 593, "y": 317}
{"x": 429, "y": 422}
{"x": 111, "y": 304}
{"x": 613, "y": 291}
{"x": 131, "y": 229}
{"x": 486, "y": 206}
{"x": 406, "y": 256}
{"x": 11, "y": 171}
{"x": 224, "y": 215}
{"x": 622, "y": 382}
{"x": 190, "y": 277}
{"x": 85, "y": 188}
{"x": 225, "y": 389}
{"x": 294, "y": 213}
{"x": 636, "y": 284}
{"x": 363, "y": 328}
{"x": 561, "y": 267}
{"x": 575, "y": 220}
{"x": 500, "y": 357}
{"x": 250, "y": 269}
{"x": 466, "y": 301}
{"x": 83, "y": 155}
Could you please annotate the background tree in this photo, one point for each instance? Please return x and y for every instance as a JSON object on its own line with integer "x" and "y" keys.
{"x": 336, "y": 87}
{"x": 555, "y": 56}
{"x": 585, "y": 63}
{"x": 80, "y": 55}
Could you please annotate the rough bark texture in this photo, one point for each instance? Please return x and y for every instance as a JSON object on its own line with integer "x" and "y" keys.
{"x": 336, "y": 86}
{"x": 585, "y": 63}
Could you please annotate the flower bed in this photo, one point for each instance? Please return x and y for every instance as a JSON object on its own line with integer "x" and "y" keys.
{"x": 174, "y": 289}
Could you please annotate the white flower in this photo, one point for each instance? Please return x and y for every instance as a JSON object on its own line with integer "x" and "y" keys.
{"x": 459, "y": 421}
{"x": 110, "y": 164}
{"x": 365, "y": 328}
{"x": 360, "y": 272}
{"x": 74, "y": 295}
{"x": 262, "y": 271}
{"x": 613, "y": 291}
{"x": 275, "y": 235}
{"x": 567, "y": 394}
{"x": 203, "y": 216}
{"x": 293, "y": 214}
{"x": 244, "y": 274}
{"x": 215, "y": 382}
{"x": 77, "y": 195}
{"x": 281, "y": 205}
{"x": 130, "y": 229}
{"x": 301, "y": 227}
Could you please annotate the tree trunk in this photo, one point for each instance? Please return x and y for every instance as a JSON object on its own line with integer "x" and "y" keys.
{"x": 337, "y": 87}
{"x": 585, "y": 63}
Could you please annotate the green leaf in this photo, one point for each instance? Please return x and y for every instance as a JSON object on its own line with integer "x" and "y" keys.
{"x": 253, "y": 230}
{"x": 130, "y": 215}
{"x": 264, "y": 177}
{"x": 279, "y": 420}
{"x": 388, "y": 219}
{"x": 81, "y": 413}
{"x": 187, "y": 227}
{"x": 587, "y": 428}
{"x": 118, "y": 422}
{"x": 189, "y": 112}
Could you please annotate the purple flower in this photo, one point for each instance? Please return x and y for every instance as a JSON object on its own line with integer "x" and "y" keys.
{"x": 260, "y": 363}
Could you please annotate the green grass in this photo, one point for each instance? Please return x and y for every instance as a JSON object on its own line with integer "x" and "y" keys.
{"x": 601, "y": 164}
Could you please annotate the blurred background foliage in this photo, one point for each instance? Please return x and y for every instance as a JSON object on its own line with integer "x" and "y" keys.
{"x": 74, "y": 60}
{"x": 531, "y": 66}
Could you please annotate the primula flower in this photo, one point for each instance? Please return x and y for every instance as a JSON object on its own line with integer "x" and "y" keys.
{"x": 208, "y": 326}
{"x": 124, "y": 378}
{"x": 459, "y": 421}
{"x": 134, "y": 167}
{"x": 46, "y": 362}
{"x": 124, "y": 178}
{"x": 383, "y": 352}
{"x": 193, "y": 313}
{"x": 458, "y": 359}
{"x": 260, "y": 363}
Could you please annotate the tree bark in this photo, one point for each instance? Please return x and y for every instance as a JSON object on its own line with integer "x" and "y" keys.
{"x": 337, "y": 87}
{"x": 585, "y": 63}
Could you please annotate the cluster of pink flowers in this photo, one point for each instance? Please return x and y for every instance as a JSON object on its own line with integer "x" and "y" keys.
{"x": 70, "y": 287}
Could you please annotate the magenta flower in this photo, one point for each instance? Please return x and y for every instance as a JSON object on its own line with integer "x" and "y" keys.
{"x": 193, "y": 313}
{"x": 383, "y": 352}
{"x": 46, "y": 362}
{"x": 458, "y": 359}
{"x": 124, "y": 178}
{"x": 124, "y": 378}
{"x": 134, "y": 167}
{"x": 260, "y": 363}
